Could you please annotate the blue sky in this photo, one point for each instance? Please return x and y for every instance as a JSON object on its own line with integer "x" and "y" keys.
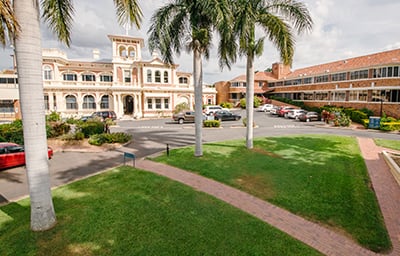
{"x": 342, "y": 29}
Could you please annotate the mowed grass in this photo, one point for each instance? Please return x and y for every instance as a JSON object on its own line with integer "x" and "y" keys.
{"x": 391, "y": 144}
{"x": 126, "y": 211}
{"x": 322, "y": 178}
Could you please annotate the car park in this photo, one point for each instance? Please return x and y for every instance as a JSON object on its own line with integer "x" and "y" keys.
{"x": 265, "y": 108}
{"x": 13, "y": 155}
{"x": 309, "y": 116}
{"x": 225, "y": 115}
{"x": 294, "y": 114}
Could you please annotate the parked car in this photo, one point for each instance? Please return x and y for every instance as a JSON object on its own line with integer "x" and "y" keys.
{"x": 284, "y": 110}
{"x": 12, "y": 155}
{"x": 274, "y": 110}
{"x": 225, "y": 115}
{"x": 184, "y": 116}
{"x": 265, "y": 108}
{"x": 102, "y": 115}
{"x": 309, "y": 116}
{"x": 209, "y": 110}
{"x": 294, "y": 114}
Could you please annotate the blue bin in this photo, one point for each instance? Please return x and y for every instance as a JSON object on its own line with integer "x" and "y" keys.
{"x": 374, "y": 122}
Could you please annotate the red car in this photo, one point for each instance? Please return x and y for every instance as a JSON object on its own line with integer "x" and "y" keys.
{"x": 12, "y": 155}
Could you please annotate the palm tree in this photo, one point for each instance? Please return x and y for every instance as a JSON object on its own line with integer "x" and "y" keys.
{"x": 189, "y": 24}
{"x": 8, "y": 23}
{"x": 273, "y": 17}
{"x": 28, "y": 51}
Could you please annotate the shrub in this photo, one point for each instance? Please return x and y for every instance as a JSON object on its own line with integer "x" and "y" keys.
{"x": 12, "y": 132}
{"x": 53, "y": 117}
{"x": 118, "y": 137}
{"x": 91, "y": 127}
{"x": 226, "y": 105}
{"x": 389, "y": 126}
{"x": 56, "y": 129}
{"x": 212, "y": 123}
{"x": 181, "y": 107}
{"x": 358, "y": 116}
{"x": 244, "y": 121}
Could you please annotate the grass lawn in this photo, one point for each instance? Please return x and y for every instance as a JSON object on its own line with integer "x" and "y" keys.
{"x": 392, "y": 144}
{"x": 322, "y": 178}
{"x": 130, "y": 212}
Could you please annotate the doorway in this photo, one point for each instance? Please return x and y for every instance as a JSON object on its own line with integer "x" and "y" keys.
{"x": 128, "y": 105}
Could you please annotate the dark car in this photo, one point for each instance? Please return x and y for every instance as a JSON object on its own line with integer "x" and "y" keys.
{"x": 12, "y": 155}
{"x": 225, "y": 115}
{"x": 102, "y": 115}
{"x": 309, "y": 116}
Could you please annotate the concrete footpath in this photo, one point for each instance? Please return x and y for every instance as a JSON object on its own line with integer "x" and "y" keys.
{"x": 322, "y": 239}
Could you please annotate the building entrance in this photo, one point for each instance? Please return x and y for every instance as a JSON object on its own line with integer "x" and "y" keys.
{"x": 128, "y": 105}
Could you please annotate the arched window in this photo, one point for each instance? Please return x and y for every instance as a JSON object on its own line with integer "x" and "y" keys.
{"x": 122, "y": 51}
{"x": 183, "y": 80}
{"x": 47, "y": 73}
{"x": 71, "y": 102}
{"x": 69, "y": 77}
{"x": 132, "y": 52}
{"x": 104, "y": 104}
{"x": 88, "y": 102}
{"x": 158, "y": 76}
{"x": 149, "y": 76}
{"x": 88, "y": 77}
{"x": 166, "y": 77}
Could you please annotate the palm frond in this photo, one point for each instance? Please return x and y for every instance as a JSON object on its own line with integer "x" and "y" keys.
{"x": 128, "y": 12}
{"x": 9, "y": 27}
{"x": 59, "y": 16}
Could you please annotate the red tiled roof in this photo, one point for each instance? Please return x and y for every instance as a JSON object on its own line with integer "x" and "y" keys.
{"x": 264, "y": 76}
{"x": 366, "y": 61}
{"x": 241, "y": 78}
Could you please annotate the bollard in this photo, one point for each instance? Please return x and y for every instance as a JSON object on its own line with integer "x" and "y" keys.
{"x": 167, "y": 149}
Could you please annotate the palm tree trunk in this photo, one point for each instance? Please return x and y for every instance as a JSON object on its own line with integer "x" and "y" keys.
{"x": 29, "y": 63}
{"x": 249, "y": 101}
{"x": 198, "y": 101}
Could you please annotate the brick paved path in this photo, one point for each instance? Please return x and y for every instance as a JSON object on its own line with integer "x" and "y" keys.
{"x": 324, "y": 240}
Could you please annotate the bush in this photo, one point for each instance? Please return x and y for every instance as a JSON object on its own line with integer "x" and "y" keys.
{"x": 91, "y": 127}
{"x": 181, "y": 107}
{"x": 55, "y": 129}
{"x": 226, "y": 105}
{"x": 118, "y": 137}
{"x": 212, "y": 123}
{"x": 244, "y": 121}
{"x": 53, "y": 117}
{"x": 358, "y": 116}
{"x": 12, "y": 132}
{"x": 389, "y": 126}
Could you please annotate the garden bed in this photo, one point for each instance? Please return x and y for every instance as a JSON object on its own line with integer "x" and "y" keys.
{"x": 393, "y": 159}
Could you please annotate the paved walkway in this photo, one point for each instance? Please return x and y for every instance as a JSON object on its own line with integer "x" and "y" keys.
{"x": 324, "y": 240}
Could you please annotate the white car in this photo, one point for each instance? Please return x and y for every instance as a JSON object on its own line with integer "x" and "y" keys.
{"x": 209, "y": 110}
{"x": 295, "y": 113}
{"x": 265, "y": 108}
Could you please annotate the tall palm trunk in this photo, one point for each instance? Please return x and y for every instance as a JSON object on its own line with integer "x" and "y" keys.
{"x": 198, "y": 101}
{"x": 29, "y": 58}
{"x": 249, "y": 100}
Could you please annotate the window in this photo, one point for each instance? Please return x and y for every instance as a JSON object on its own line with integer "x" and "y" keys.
{"x": 71, "y": 102}
{"x": 46, "y": 102}
{"x": 386, "y": 72}
{"x": 339, "y": 77}
{"x": 106, "y": 78}
{"x": 158, "y": 76}
{"x": 127, "y": 76}
{"x": 166, "y": 103}
{"x": 88, "y": 77}
{"x": 6, "y": 106}
{"x": 47, "y": 73}
{"x": 150, "y": 103}
{"x": 158, "y": 103}
{"x": 54, "y": 101}
{"x": 308, "y": 96}
{"x": 339, "y": 96}
{"x": 149, "y": 78}
{"x": 307, "y": 80}
{"x": 321, "y": 79}
{"x": 88, "y": 102}
{"x": 132, "y": 53}
{"x": 183, "y": 80}
{"x": 69, "y": 77}
{"x": 360, "y": 74}
{"x": 104, "y": 104}
{"x": 166, "y": 77}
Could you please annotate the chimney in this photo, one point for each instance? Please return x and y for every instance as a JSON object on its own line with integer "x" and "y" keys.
{"x": 96, "y": 54}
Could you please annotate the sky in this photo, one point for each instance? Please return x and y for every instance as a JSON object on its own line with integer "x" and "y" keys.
{"x": 342, "y": 29}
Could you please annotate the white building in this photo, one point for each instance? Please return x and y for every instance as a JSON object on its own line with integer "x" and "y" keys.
{"x": 127, "y": 84}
